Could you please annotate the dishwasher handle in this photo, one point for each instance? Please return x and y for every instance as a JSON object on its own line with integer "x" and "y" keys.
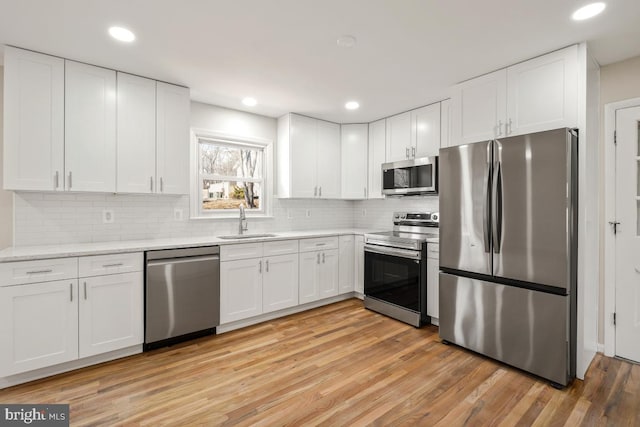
{"x": 167, "y": 261}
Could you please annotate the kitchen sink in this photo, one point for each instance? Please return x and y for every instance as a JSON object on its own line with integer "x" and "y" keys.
{"x": 245, "y": 236}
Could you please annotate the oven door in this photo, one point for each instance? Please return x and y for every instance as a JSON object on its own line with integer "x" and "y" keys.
{"x": 396, "y": 276}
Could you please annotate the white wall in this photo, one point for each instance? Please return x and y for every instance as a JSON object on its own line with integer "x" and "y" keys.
{"x": 6, "y": 198}
{"x": 52, "y": 218}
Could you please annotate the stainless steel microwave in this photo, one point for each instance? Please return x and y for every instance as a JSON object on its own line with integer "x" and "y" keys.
{"x": 410, "y": 177}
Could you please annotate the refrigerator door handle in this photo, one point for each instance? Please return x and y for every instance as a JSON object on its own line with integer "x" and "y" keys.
{"x": 486, "y": 212}
{"x": 497, "y": 208}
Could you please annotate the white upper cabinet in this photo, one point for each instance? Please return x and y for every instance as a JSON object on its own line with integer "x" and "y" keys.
{"x": 328, "y": 157}
{"x": 425, "y": 130}
{"x": 535, "y": 95}
{"x": 354, "y": 161}
{"x": 33, "y": 121}
{"x": 173, "y": 109}
{"x": 445, "y": 123}
{"x": 479, "y": 108}
{"x": 377, "y": 141}
{"x": 136, "y": 152}
{"x": 90, "y": 128}
{"x": 308, "y": 158}
{"x": 542, "y": 93}
{"x": 413, "y": 134}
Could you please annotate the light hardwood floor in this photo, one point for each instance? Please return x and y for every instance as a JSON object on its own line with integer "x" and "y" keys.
{"x": 337, "y": 365}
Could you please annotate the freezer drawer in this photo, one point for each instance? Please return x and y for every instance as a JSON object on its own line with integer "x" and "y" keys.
{"x": 523, "y": 328}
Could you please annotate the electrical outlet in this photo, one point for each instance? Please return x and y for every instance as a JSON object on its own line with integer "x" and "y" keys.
{"x": 108, "y": 216}
{"x": 177, "y": 214}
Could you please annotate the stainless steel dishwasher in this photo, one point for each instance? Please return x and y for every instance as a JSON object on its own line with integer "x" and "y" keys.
{"x": 182, "y": 295}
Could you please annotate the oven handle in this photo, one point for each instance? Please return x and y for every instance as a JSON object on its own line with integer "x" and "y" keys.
{"x": 402, "y": 253}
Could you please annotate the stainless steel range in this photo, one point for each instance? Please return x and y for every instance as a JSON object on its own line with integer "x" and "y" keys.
{"x": 395, "y": 267}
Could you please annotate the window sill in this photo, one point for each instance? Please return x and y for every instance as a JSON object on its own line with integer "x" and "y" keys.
{"x": 233, "y": 217}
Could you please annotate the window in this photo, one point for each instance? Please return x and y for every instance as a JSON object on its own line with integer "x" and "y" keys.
{"x": 230, "y": 174}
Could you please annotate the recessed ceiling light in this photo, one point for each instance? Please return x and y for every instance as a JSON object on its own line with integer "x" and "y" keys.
{"x": 122, "y": 34}
{"x": 249, "y": 102}
{"x": 346, "y": 41}
{"x": 352, "y": 105}
{"x": 588, "y": 11}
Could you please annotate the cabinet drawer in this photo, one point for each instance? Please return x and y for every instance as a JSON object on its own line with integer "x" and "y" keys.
{"x": 45, "y": 270}
{"x": 433, "y": 251}
{"x": 346, "y": 239}
{"x": 282, "y": 247}
{"x": 240, "y": 251}
{"x": 319, "y": 243}
{"x": 99, "y": 265}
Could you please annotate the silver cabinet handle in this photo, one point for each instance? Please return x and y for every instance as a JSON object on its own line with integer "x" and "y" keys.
{"x": 71, "y": 292}
{"x": 315, "y": 191}
{"x": 320, "y": 191}
{"x": 413, "y": 152}
{"x": 267, "y": 265}
{"x": 365, "y": 192}
{"x": 320, "y": 244}
{"x": 507, "y": 128}
{"x": 499, "y": 128}
{"x": 40, "y": 271}
{"x": 57, "y": 179}
{"x": 318, "y": 260}
{"x": 323, "y": 257}
{"x": 151, "y": 184}
{"x": 85, "y": 290}
{"x": 260, "y": 267}
{"x": 118, "y": 264}
{"x": 70, "y": 180}
{"x": 161, "y": 184}
{"x": 406, "y": 152}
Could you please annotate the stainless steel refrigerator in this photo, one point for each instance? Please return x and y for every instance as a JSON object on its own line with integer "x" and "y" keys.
{"x": 508, "y": 246}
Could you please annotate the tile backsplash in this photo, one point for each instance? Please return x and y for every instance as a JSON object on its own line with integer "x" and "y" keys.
{"x": 49, "y": 218}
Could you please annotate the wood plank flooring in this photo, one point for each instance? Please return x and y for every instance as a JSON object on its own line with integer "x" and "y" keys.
{"x": 337, "y": 365}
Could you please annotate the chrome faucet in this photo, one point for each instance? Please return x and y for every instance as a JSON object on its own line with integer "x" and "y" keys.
{"x": 242, "y": 225}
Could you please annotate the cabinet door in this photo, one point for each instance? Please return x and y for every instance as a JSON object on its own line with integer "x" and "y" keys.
{"x": 329, "y": 274}
{"x": 136, "y": 154}
{"x": 90, "y": 128}
{"x": 542, "y": 93}
{"x": 111, "y": 313}
{"x": 445, "y": 123}
{"x": 346, "y": 264}
{"x": 38, "y": 325}
{"x": 399, "y": 137}
{"x": 173, "y": 110}
{"x": 359, "y": 264}
{"x": 425, "y": 130}
{"x": 432, "y": 287}
{"x": 479, "y": 108}
{"x": 240, "y": 289}
{"x": 280, "y": 282}
{"x": 33, "y": 121}
{"x": 328, "y": 160}
{"x": 354, "y": 161}
{"x": 308, "y": 284}
{"x": 303, "y": 134}
{"x": 377, "y": 155}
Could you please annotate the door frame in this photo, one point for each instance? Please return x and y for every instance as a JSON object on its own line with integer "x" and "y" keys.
{"x": 609, "y": 303}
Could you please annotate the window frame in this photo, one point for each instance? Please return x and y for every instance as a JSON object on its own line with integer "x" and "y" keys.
{"x": 198, "y": 135}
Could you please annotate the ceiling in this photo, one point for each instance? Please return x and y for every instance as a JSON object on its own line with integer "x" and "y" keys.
{"x": 284, "y": 52}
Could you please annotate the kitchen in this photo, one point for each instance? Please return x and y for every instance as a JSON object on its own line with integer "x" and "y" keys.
{"x": 65, "y": 219}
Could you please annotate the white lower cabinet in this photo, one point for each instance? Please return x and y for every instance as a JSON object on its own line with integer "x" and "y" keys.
{"x": 346, "y": 264}
{"x": 318, "y": 275}
{"x": 47, "y": 323}
{"x": 280, "y": 282}
{"x": 359, "y": 264}
{"x": 111, "y": 313}
{"x": 38, "y": 325}
{"x": 240, "y": 289}
{"x": 254, "y": 284}
{"x": 433, "y": 267}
